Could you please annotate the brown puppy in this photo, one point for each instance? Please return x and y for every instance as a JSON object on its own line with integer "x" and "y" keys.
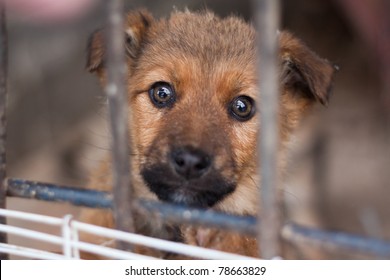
{"x": 192, "y": 88}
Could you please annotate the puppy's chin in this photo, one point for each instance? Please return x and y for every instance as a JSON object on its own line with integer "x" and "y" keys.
{"x": 203, "y": 192}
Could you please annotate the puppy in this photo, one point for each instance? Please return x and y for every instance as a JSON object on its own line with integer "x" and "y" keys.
{"x": 192, "y": 89}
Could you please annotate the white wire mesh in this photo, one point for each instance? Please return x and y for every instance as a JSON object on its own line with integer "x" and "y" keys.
{"x": 71, "y": 245}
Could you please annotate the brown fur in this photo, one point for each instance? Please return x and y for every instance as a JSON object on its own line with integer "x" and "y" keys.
{"x": 208, "y": 61}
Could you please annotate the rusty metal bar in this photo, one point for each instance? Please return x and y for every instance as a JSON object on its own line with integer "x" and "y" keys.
{"x": 267, "y": 22}
{"x": 3, "y": 124}
{"x": 118, "y": 106}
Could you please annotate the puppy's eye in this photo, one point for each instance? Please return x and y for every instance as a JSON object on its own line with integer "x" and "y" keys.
{"x": 162, "y": 94}
{"x": 242, "y": 108}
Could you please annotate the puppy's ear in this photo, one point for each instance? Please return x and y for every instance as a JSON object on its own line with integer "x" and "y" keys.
{"x": 135, "y": 29}
{"x": 303, "y": 71}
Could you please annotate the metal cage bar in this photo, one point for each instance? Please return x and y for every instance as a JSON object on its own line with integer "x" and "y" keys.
{"x": 55, "y": 193}
{"x": 291, "y": 232}
{"x": 267, "y": 23}
{"x": 117, "y": 100}
{"x": 3, "y": 128}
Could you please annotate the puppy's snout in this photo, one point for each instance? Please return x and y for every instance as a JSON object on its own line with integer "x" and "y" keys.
{"x": 190, "y": 163}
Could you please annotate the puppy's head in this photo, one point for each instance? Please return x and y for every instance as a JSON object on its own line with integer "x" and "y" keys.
{"x": 192, "y": 86}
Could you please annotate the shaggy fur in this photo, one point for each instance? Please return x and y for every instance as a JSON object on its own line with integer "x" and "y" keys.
{"x": 193, "y": 150}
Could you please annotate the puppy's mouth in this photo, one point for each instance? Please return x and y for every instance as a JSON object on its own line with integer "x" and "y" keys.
{"x": 188, "y": 178}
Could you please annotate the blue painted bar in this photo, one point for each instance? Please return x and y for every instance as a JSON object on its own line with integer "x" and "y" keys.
{"x": 51, "y": 192}
{"x": 333, "y": 241}
{"x": 209, "y": 218}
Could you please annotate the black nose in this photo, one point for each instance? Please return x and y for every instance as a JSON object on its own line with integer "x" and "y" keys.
{"x": 190, "y": 163}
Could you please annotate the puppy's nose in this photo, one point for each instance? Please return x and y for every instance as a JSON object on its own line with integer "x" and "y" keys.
{"x": 190, "y": 163}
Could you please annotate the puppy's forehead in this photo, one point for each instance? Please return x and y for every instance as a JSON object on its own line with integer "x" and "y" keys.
{"x": 201, "y": 47}
{"x": 207, "y": 36}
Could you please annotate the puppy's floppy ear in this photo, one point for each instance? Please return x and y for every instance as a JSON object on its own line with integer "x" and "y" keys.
{"x": 303, "y": 71}
{"x": 136, "y": 26}
{"x": 96, "y": 51}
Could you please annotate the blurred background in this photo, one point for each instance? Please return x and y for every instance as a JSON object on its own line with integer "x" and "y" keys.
{"x": 339, "y": 171}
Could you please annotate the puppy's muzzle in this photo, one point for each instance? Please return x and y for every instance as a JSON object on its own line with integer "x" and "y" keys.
{"x": 187, "y": 175}
{"x": 190, "y": 163}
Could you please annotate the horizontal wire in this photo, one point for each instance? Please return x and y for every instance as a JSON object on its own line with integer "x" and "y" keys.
{"x": 31, "y": 217}
{"x": 30, "y": 253}
{"x": 159, "y": 244}
{"x": 69, "y": 225}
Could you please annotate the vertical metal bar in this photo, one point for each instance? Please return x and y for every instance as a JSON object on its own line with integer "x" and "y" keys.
{"x": 118, "y": 106}
{"x": 3, "y": 99}
{"x": 267, "y": 21}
